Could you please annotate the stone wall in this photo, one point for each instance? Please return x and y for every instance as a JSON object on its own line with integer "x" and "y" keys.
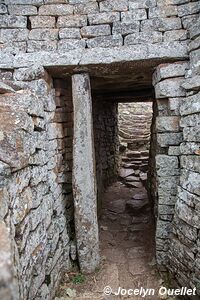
{"x": 105, "y": 118}
{"x": 134, "y": 125}
{"x": 35, "y": 183}
{"x": 184, "y": 251}
{"x": 52, "y": 25}
{"x": 167, "y": 136}
{"x": 177, "y": 166}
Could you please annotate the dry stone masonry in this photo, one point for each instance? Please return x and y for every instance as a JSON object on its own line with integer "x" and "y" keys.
{"x": 43, "y": 45}
{"x": 31, "y": 26}
{"x": 134, "y": 133}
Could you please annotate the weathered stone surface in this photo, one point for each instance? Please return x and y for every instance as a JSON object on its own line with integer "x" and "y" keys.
{"x": 167, "y": 165}
{"x": 72, "y": 21}
{"x": 34, "y": 46}
{"x": 194, "y": 30}
{"x": 188, "y": 9}
{"x": 93, "y": 31}
{"x": 3, "y": 9}
{"x": 143, "y": 37}
{"x": 174, "y": 105}
{"x": 192, "y": 83}
{"x": 114, "y": 5}
{"x": 175, "y": 35}
{"x": 70, "y": 44}
{"x": 13, "y": 35}
{"x": 19, "y": 10}
{"x": 86, "y": 8}
{"x": 56, "y": 10}
{"x": 135, "y": 4}
{"x": 12, "y": 21}
{"x": 187, "y": 214}
{"x": 174, "y": 150}
{"x": 103, "y": 18}
{"x": 172, "y": 138}
{"x": 190, "y": 120}
{"x": 189, "y": 21}
{"x": 124, "y": 28}
{"x": 163, "y": 11}
{"x": 190, "y": 181}
{"x": 6, "y": 273}
{"x": 163, "y": 229}
{"x": 189, "y": 148}
{"x": 43, "y": 34}
{"x": 42, "y": 22}
{"x": 191, "y": 134}
{"x": 30, "y": 2}
{"x": 165, "y": 71}
{"x": 136, "y": 15}
{"x": 169, "y": 88}
{"x": 163, "y": 24}
{"x": 28, "y": 74}
{"x": 69, "y": 33}
{"x": 164, "y": 124}
{"x": 191, "y": 162}
{"x": 131, "y": 54}
{"x": 84, "y": 186}
{"x": 105, "y": 41}
{"x": 190, "y": 105}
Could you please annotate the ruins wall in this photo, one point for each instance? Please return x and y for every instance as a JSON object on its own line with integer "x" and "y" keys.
{"x": 36, "y": 198}
{"x": 64, "y": 25}
{"x": 36, "y": 129}
{"x": 105, "y": 119}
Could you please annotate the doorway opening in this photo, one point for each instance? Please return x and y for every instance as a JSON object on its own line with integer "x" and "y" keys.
{"x": 126, "y": 220}
{"x": 122, "y": 133}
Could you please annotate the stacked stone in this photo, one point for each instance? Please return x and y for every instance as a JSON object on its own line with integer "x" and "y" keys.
{"x": 134, "y": 125}
{"x": 106, "y": 143}
{"x": 34, "y": 205}
{"x": 184, "y": 249}
{"x": 37, "y": 25}
{"x": 134, "y": 134}
{"x": 168, "y": 135}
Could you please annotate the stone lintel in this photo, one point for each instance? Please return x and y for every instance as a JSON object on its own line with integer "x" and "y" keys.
{"x": 136, "y": 54}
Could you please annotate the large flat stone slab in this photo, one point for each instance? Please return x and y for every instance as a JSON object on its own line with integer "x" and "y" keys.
{"x": 136, "y": 55}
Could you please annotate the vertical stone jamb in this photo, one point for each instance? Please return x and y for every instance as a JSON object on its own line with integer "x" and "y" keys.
{"x": 167, "y": 81}
{"x": 84, "y": 177}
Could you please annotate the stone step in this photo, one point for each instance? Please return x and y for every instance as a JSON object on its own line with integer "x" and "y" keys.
{"x": 123, "y": 173}
{"x": 133, "y": 154}
{"x": 138, "y": 139}
{"x": 133, "y": 184}
{"x": 145, "y": 152}
{"x": 132, "y": 178}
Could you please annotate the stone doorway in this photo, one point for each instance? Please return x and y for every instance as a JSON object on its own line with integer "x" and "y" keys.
{"x": 96, "y": 149}
{"x": 126, "y": 224}
{"x": 126, "y": 221}
{"x": 95, "y": 101}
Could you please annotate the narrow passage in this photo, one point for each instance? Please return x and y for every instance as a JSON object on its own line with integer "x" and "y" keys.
{"x": 126, "y": 238}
